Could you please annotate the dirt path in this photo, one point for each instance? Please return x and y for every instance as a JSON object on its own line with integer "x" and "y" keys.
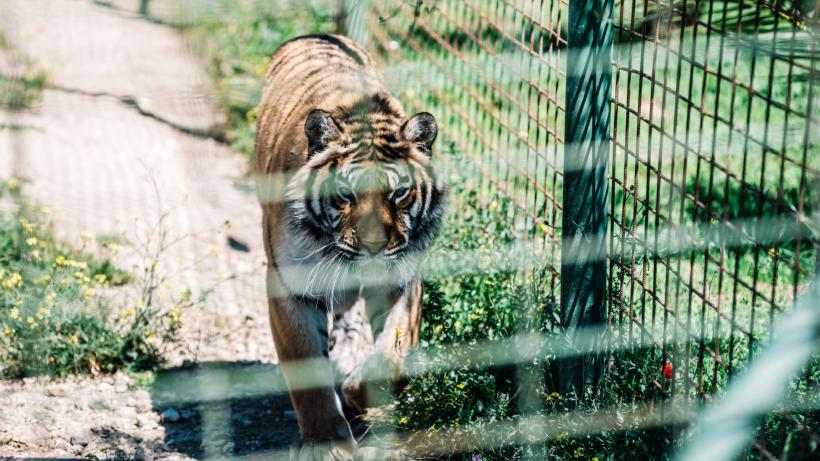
{"x": 127, "y": 106}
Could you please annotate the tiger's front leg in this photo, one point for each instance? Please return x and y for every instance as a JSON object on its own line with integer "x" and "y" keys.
{"x": 395, "y": 330}
{"x": 300, "y": 336}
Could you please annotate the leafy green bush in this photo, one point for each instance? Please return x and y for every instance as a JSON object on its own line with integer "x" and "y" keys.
{"x": 55, "y": 316}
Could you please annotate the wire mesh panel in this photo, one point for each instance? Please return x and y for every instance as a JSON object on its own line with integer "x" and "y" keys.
{"x": 713, "y": 180}
{"x": 713, "y": 173}
{"x": 491, "y": 71}
{"x": 706, "y": 154}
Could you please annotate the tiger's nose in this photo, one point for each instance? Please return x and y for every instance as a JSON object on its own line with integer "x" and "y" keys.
{"x": 374, "y": 247}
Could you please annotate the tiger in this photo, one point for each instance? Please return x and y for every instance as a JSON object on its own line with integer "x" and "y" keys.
{"x": 351, "y": 201}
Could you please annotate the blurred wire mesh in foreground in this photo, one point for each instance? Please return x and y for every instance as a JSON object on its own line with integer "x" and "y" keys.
{"x": 706, "y": 337}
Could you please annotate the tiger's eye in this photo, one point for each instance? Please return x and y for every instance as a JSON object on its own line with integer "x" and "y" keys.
{"x": 400, "y": 194}
{"x": 345, "y": 193}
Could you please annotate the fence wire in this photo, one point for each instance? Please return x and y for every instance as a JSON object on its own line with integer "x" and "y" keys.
{"x": 712, "y": 135}
{"x": 714, "y": 187}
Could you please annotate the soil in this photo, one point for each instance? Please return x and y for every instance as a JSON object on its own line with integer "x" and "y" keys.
{"x": 127, "y": 128}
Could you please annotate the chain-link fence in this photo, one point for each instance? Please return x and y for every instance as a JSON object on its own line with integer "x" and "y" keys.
{"x": 712, "y": 163}
{"x": 640, "y": 185}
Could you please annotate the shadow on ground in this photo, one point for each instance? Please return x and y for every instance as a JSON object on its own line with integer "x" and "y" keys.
{"x": 217, "y": 409}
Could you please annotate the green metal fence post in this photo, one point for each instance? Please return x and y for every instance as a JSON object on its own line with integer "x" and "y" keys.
{"x": 584, "y": 221}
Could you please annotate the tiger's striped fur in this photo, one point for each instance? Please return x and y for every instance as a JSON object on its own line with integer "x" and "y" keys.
{"x": 350, "y": 202}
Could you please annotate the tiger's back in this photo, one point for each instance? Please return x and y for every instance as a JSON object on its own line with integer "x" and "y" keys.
{"x": 310, "y": 72}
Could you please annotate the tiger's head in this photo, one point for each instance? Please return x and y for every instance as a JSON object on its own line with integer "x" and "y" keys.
{"x": 368, "y": 195}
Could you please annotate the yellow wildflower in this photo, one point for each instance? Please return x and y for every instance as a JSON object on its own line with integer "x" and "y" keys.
{"x": 14, "y": 314}
{"x": 31, "y": 241}
{"x": 7, "y": 331}
{"x": 27, "y": 225}
{"x": 460, "y": 385}
{"x": 147, "y": 333}
{"x": 403, "y": 420}
{"x": 36, "y": 254}
{"x": 72, "y": 339}
{"x": 88, "y": 292}
{"x": 13, "y": 183}
{"x": 100, "y": 278}
{"x": 14, "y": 281}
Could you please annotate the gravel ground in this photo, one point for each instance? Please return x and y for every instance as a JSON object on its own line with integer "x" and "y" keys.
{"x": 128, "y": 106}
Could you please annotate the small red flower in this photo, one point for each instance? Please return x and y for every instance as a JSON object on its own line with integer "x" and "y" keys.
{"x": 666, "y": 370}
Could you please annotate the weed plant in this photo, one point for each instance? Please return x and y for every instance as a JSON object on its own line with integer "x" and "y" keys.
{"x": 56, "y": 313}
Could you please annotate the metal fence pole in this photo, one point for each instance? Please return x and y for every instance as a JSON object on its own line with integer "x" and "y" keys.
{"x": 584, "y": 221}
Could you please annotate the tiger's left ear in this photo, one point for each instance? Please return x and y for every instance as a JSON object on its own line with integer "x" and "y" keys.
{"x": 321, "y": 130}
{"x": 421, "y": 129}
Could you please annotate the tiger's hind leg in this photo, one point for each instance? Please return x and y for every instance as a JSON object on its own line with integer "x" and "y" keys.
{"x": 396, "y": 330}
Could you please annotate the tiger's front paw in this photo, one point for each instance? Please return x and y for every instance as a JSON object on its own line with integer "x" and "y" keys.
{"x": 332, "y": 450}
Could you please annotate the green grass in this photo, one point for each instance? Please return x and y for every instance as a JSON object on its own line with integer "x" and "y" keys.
{"x": 21, "y": 84}
{"x": 55, "y": 314}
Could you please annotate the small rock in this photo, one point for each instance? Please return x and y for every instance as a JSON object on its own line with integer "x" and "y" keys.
{"x": 60, "y": 391}
{"x": 100, "y": 404}
{"x": 228, "y": 447}
{"x": 169, "y": 415}
{"x": 131, "y": 402}
{"x": 81, "y": 438}
{"x": 128, "y": 413}
{"x": 121, "y": 388}
{"x": 290, "y": 414}
{"x": 143, "y": 421}
{"x": 139, "y": 454}
{"x": 62, "y": 444}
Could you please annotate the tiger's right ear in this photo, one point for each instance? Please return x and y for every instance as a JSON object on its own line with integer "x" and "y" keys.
{"x": 320, "y": 129}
